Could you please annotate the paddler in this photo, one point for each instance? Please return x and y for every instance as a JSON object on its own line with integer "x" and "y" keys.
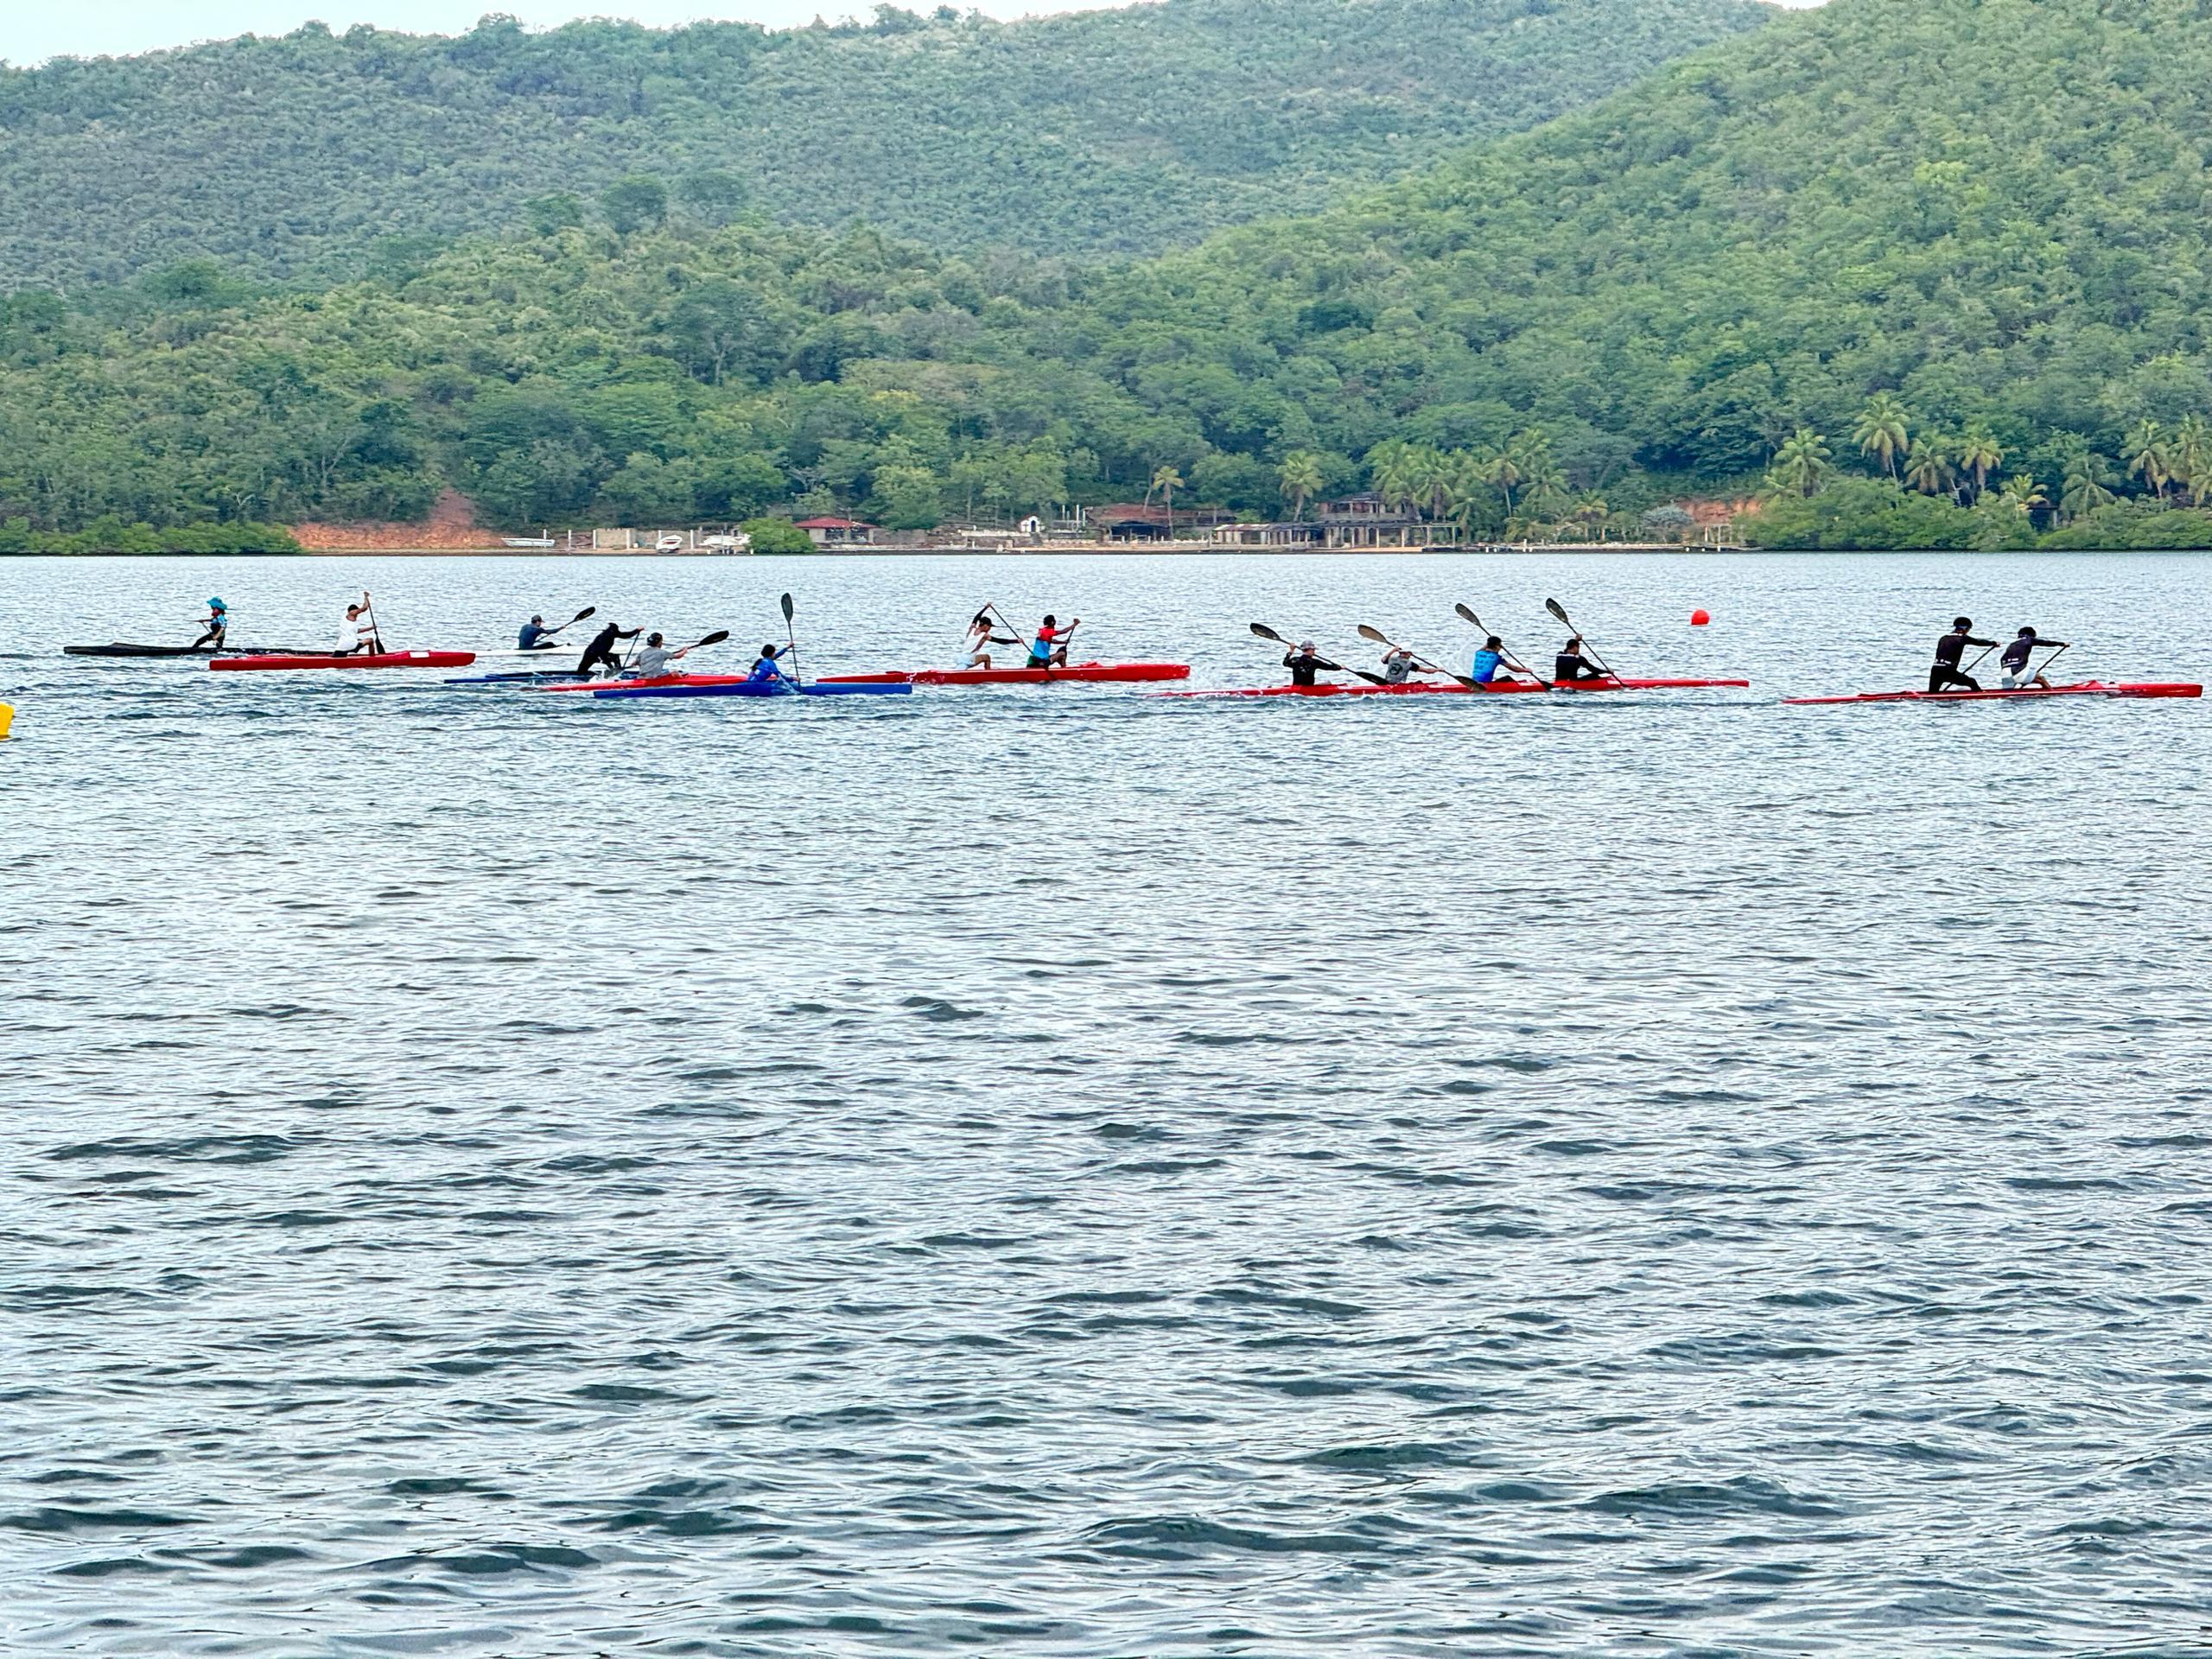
{"x": 1050, "y": 648}
{"x": 600, "y": 651}
{"x": 654, "y": 656}
{"x": 1949, "y": 649}
{"x": 983, "y": 634}
{"x": 358, "y": 632}
{"x": 217, "y": 620}
{"x": 1303, "y": 663}
{"x": 536, "y": 635}
{"x": 767, "y": 670}
{"x": 1397, "y": 665}
{"x": 2017, "y": 655}
{"x": 1490, "y": 661}
{"x": 1571, "y": 664}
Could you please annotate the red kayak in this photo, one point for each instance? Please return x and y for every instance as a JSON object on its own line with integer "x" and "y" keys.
{"x": 1497, "y": 689}
{"x": 1080, "y": 671}
{"x": 385, "y": 659}
{"x": 2085, "y": 689}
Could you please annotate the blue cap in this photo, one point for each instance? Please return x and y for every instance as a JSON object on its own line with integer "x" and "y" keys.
{"x": 217, "y": 604}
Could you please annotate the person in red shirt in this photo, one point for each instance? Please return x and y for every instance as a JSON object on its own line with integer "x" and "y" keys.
{"x": 1051, "y": 648}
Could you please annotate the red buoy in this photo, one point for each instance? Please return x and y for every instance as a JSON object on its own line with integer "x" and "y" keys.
{"x": 1699, "y": 618}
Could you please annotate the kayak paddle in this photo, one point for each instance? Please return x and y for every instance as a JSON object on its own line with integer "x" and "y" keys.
{"x": 713, "y": 638}
{"x": 1559, "y": 611}
{"x": 2032, "y": 671}
{"x": 1510, "y": 659}
{"x": 792, "y": 639}
{"x": 1382, "y": 638}
{"x": 1267, "y": 633}
{"x": 587, "y": 611}
{"x": 376, "y": 634}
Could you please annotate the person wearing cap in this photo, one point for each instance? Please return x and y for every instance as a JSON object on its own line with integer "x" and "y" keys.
{"x": 217, "y": 619}
{"x": 1950, "y": 648}
{"x": 600, "y": 651}
{"x": 1397, "y": 665}
{"x": 1571, "y": 664}
{"x": 2018, "y": 655}
{"x": 358, "y": 632}
{"x": 1303, "y": 663}
{"x": 976, "y": 649}
{"x": 536, "y": 636}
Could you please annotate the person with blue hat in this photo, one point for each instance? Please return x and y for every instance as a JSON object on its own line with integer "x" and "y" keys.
{"x": 217, "y": 619}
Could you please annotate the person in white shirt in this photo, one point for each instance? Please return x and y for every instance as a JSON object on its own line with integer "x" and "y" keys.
{"x": 358, "y": 632}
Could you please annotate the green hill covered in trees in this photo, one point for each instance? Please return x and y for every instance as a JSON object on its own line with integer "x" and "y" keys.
{"x": 1123, "y": 131}
{"x": 1926, "y": 272}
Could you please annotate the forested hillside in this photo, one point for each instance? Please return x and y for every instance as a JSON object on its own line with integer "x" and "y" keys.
{"x": 1957, "y": 252}
{"x": 1127, "y": 130}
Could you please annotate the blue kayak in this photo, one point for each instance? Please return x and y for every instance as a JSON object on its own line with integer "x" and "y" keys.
{"x": 749, "y": 689}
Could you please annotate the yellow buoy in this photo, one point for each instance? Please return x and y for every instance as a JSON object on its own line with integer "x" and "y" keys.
{"x": 7, "y": 717}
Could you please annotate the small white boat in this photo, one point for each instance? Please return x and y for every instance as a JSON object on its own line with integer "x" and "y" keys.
{"x": 738, "y": 543}
{"x": 527, "y": 541}
{"x": 669, "y": 544}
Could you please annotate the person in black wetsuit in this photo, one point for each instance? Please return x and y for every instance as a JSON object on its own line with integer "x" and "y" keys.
{"x": 601, "y": 650}
{"x": 1303, "y": 663}
{"x": 1949, "y": 649}
{"x": 1572, "y": 664}
{"x": 2018, "y": 655}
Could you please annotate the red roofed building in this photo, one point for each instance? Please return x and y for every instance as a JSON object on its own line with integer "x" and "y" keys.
{"x": 837, "y": 532}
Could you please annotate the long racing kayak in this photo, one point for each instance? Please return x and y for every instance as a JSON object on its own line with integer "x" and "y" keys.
{"x": 1080, "y": 672}
{"x": 739, "y": 688}
{"x": 646, "y": 681}
{"x": 1452, "y": 687}
{"x": 121, "y": 648}
{"x": 386, "y": 659}
{"x": 2085, "y": 689}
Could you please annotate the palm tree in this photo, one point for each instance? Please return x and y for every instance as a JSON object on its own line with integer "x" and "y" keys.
{"x": 1589, "y": 511}
{"x": 1432, "y": 479}
{"x": 2147, "y": 458}
{"x": 1881, "y": 431}
{"x": 2084, "y": 489}
{"x": 1501, "y": 470}
{"x": 2024, "y": 496}
{"x": 1300, "y": 479}
{"x": 1928, "y": 468}
{"x": 1979, "y": 454}
{"x": 1469, "y": 489}
{"x": 1167, "y": 480}
{"x": 1391, "y": 471}
{"x": 1801, "y": 462}
{"x": 2189, "y": 457}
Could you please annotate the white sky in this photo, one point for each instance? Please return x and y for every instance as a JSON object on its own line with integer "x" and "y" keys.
{"x": 31, "y": 33}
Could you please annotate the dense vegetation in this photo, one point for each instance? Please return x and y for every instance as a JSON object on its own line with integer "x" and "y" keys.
{"x": 1124, "y": 130}
{"x": 1925, "y": 271}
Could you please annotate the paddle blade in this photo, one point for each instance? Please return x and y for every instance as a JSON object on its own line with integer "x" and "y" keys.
{"x": 1466, "y": 616}
{"x": 1376, "y": 635}
{"x": 1267, "y": 633}
{"x": 587, "y": 611}
{"x": 715, "y": 639}
{"x": 1559, "y": 611}
{"x": 787, "y": 608}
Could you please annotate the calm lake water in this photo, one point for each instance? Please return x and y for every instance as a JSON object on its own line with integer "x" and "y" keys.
{"x": 1074, "y": 1173}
